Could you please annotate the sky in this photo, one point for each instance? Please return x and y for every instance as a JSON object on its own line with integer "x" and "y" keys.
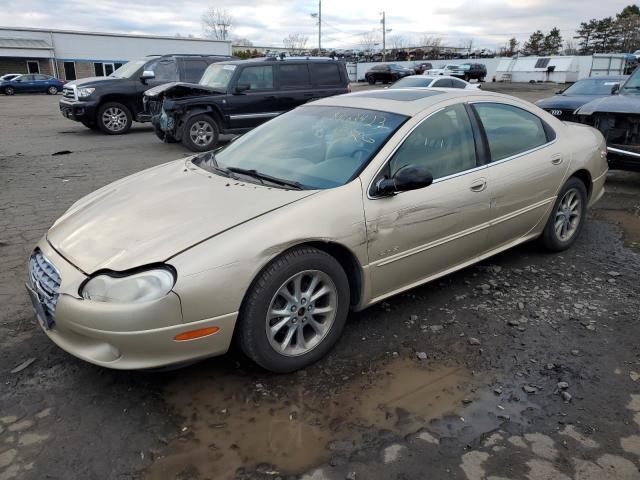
{"x": 490, "y": 23}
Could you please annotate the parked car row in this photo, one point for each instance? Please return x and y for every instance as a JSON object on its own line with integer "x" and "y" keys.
{"x": 30, "y": 83}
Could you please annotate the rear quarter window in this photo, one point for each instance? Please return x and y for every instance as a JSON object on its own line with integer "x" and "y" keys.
{"x": 327, "y": 74}
{"x": 294, "y": 76}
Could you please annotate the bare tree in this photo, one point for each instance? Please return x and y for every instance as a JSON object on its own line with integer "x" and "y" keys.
{"x": 397, "y": 42}
{"x": 468, "y": 46}
{"x": 216, "y": 23}
{"x": 432, "y": 45}
{"x": 295, "y": 43}
{"x": 242, "y": 41}
{"x": 369, "y": 40}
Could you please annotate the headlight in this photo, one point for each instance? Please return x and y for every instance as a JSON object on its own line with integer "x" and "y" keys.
{"x": 137, "y": 287}
{"x": 84, "y": 92}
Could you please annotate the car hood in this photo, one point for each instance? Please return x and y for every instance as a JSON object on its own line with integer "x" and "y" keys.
{"x": 622, "y": 103}
{"x": 566, "y": 102}
{"x": 96, "y": 81}
{"x": 181, "y": 89}
{"x": 151, "y": 216}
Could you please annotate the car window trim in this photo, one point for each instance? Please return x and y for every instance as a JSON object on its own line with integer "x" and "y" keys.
{"x": 401, "y": 142}
{"x": 545, "y": 125}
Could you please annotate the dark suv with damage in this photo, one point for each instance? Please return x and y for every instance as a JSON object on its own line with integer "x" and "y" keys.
{"x": 236, "y": 96}
{"x": 617, "y": 116}
{"x": 112, "y": 103}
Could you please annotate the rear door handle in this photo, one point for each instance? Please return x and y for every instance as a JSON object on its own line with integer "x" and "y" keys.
{"x": 478, "y": 185}
{"x": 556, "y": 159}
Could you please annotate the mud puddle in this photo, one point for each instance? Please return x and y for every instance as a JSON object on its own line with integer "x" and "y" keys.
{"x": 629, "y": 222}
{"x": 232, "y": 421}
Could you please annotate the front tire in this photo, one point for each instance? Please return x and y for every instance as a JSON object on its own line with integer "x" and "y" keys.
{"x": 371, "y": 80}
{"x": 9, "y": 91}
{"x": 294, "y": 311}
{"x": 200, "y": 133}
{"x": 114, "y": 118}
{"x": 52, "y": 90}
{"x": 567, "y": 217}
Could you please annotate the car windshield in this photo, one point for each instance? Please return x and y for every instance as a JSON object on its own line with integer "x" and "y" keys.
{"x": 592, "y": 86}
{"x": 128, "y": 69}
{"x": 632, "y": 85}
{"x": 413, "y": 81}
{"x": 217, "y": 75}
{"x": 313, "y": 147}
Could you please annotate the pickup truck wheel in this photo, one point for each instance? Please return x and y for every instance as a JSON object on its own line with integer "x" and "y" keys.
{"x": 114, "y": 118}
{"x": 52, "y": 90}
{"x": 467, "y": 78}
{"x": 371, "y": 80}
{"x": 201, "y": 133}
{"x": 163, "y": 136}
{"x": 9, "y": 91}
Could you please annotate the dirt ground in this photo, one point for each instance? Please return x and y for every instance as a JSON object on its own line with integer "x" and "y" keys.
{"x": 526, "y": 366}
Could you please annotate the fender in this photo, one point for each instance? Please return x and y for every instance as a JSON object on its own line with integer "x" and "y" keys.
{"x": 183, "y": 117}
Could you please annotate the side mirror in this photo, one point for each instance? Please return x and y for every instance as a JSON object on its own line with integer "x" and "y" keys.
{"x": 409, "y": 177}
{"x": 147, "y": 75}
{"x": 242, "y": 87}
{"x": 615, "y": 89}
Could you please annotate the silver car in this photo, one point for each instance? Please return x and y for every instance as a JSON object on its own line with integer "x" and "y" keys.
{"x": 331, "y": 207}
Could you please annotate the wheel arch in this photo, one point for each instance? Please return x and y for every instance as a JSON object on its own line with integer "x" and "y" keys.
{"x": 114, "y": 97}
{"x": 585, "y": 177}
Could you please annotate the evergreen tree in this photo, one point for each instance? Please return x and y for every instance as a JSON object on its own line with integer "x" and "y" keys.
{"x": 535, "y": 44}
{"x": 553, "y": 42}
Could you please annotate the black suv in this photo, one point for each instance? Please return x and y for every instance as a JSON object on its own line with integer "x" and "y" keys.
{"x": 236, "y": 96}
{"x": 387, "y": 73}
{"x": 112, "y": 103}
{"x": 469, "y": 71}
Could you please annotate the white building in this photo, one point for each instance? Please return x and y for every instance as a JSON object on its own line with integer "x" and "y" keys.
{"x": 70, "y": 54}
{"x": 559, "y": 69}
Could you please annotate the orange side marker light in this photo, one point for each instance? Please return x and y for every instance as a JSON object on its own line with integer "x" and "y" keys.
{"x": 193, "y": 334}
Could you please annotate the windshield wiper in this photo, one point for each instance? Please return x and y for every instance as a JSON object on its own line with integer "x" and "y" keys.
{"x": 208, "y": 161}
{"x": 263, "y": 176}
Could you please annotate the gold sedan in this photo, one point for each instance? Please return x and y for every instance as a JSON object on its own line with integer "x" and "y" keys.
{"x": 333, "y": 206}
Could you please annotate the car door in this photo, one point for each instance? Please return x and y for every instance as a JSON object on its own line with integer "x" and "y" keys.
{"x": 327, "y": 80}
{"x": 24, "y": 83}
{"x": 40, "y": 83}
{"x": 421, "y": 233}
{"x": 294, "y": 85}
{"x": 526, "y": 170}
{"x": 252, "y": 99}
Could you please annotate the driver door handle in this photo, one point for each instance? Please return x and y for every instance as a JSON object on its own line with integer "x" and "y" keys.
{"x": 556, "y": 159}
{"x": 478, "y": 185}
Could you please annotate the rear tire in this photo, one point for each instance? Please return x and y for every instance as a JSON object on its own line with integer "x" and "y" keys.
{"x": 567, "y": 217}
{"x": 201, "y": 133}
{"x": 9, "y": 91}
{"x": 371, "y": 80}
{"x": 114, "y": 118}
{"x": 52, "y": 90}
{"x": 323, "y": 285}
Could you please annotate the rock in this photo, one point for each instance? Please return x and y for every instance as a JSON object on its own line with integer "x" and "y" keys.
{"x": 566, "y": 396}
{"x": 473, "y": 341}
{"x": 497, "y": 390}
{"x": 550, "y": 366}
{"x": 413, "y": 318}
{"x": 529, "y": 389}
{"x": 338, "y": 461}
{"x": 467, "y": 401}
{"x": 421, "y": 355}
{"x": 563, "y": 385}
{"x": 635, "y": 376}
{"x": 591, "y": 327}
{"x": 23, "y": 365}
{"x": 575, "y": 352}
{"x": 340, "y": 446}
{"x": 435, "y": 328}
{"x": 520, "y": 306}
{"x": 351, "y": 476}
{"x": 613, "y": 273}
{"x": 513, "y": 322}
{"x": 266, "y": 469}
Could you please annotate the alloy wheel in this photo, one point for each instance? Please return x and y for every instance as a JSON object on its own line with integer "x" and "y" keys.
{"x": 201, "y": 133}
{"x": 301, "y": 313}
{"x": 115, "y": 119}
{"x": 568, "y": 215}
{"x": 8, "y": 91}
{"x": 53, "y": 90}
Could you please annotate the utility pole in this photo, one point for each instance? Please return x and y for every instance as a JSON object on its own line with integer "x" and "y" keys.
{"x": 384, "y": 38}
{"x": 319, "y": 16}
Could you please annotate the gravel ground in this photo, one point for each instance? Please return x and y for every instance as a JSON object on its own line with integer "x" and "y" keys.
{"x": 526, "y": 366}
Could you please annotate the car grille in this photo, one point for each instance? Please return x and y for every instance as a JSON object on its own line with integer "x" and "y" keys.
{"x": 68, "y": 92}
{"x": 562, "y": 114}
{"x": 45, "y": 280}
{"x": 153, "y": 107}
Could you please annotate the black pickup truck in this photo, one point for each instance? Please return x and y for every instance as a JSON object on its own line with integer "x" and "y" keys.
{"x": 112, "y": 103}
{"x": 236, "y": 96}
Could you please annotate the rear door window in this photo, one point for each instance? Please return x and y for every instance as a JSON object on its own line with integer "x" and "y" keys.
{"x": 327, "y": 74}
{"x": 294, "y": 76}
{"x": 442, "y": 83}
{"x": 457, "y": 83}
{"x": 510, "y": 130}
{"x": 193, "y": 69}
{"x": 258, "y": 78}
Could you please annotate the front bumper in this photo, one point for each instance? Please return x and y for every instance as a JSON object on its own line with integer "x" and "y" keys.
{"x": 80, "y": 111}
{"x": 127, "y": 336}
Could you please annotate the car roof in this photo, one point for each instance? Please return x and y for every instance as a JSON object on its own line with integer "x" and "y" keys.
{"x": 438, "y": 77}
{"x": 404, "y": 101}
{"x": 285, "y": 61}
